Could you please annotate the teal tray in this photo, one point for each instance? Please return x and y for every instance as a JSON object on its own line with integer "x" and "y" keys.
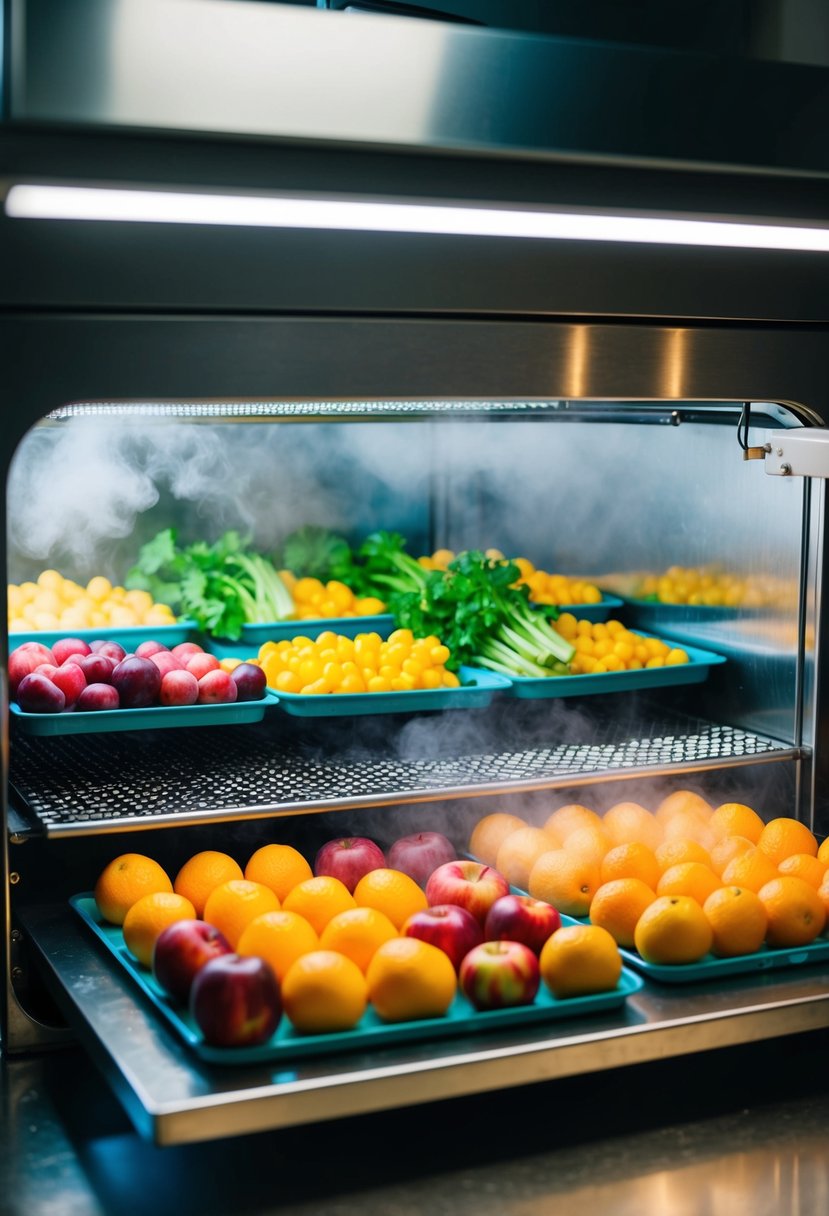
{"x": 651, "y": 614}
{"x": 591, "y": 612}
{"x": 693, "y": 672}
{"x": 154, "y": 717}
{"x": 287, "y": 1044}
{"x": 347, "y": 626}
{"x": 477, "y": 689}
{"x": 129, "y": 636}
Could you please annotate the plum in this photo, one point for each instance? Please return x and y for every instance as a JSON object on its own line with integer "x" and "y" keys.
{"x": 23, "y": 661}
{"x": 250, "y": 682}
{"x": 146, "y": 650}
{"x": 36, "y": 694}
{"x": 200, "y": 664}
{"x": 63, "y": 647}
{"x": 216, "y": 687}
{"x": 46, "y": 669}
{"x": 112, "y": 650}
{"x": 71, "y": 681}
{"x": 184, "y": 650}
{"x": 179, "y": 688}
{"x": 96, "y": 667}
{"x": 165, "y": 661}
{"x": 98, "y": 696}
{"x": 138, "y": 682}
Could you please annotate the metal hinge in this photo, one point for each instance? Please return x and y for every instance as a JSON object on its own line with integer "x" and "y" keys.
{"x": 798, "y": 453}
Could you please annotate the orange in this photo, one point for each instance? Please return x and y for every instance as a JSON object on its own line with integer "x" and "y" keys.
{"x": 751, "y": 869}
{"x": 726, "y": 848}
{"x": 686, "y": 825}
{"x": 823, "y": 895}
{"x": 324, "y": 993}
{"x": 205, "y": 871}
{"x": 578, "y": 960}
{"x": 146, "y": 918}
{"x": 519, "y": 852}
{"x": 803, "y": 865}
{"x": 280, "y": 938}
{"x": 673, "y": 930}
{"x": 632, "y": 860}
{"x": 782, "y": 837}
{"x": 565, "y": 880}
{"x": 683, "y": 801}
{"x": 489, "y": 833}
{"x": 617, "y": 906}
{"x": 795, "y": 911}
{"x": 675, "y": 852}
{"x": 567, "y": 819}
{"x": 319, "y": 900}
{"x": 689, "y": 878}
{"x": 823, "y": 851}
{"x": 628, "y": 821}
{"x": 278, "y": 866}
{"x": 391, "y": 892}
{"x": 589, "y": 842}
{"x": 358, "y": 933}
{"x": 738, "y": 921}
{"x": 124, "y": 881}
{"x": 233, "y": 905}
{"x": 736, "y": 819}
{"x": 409, "y": 979}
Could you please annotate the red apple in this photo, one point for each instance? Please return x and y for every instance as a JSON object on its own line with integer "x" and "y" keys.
{"x": 25, "y": 660}
{"x": 63, "y": 647}
{"x": 71, "y": 681}
{"x": 146, "y": 650}
{"x": 520, "y": 918}
{"x": 37, "y": 694}
{"x": 138, "y": 682}
{"x": 235, "y": 1001}
{"x": 184, "y": 650}
{"x": 348, "y": 858}
{"x": 179, "y": 688}
{"x": 110, "y": 649}
{"x": 449, "y": 927}
{"x": 216, "y": 688}
{"x": 495, "y": 975}
{"x": 97, "y": 696}
{"x": 165, "y": 661}
{"x": 200, "y": 664}
{"x": 181, "y": 950}
{"x": 469, "y": 883}
{"x": 421, "y": 854}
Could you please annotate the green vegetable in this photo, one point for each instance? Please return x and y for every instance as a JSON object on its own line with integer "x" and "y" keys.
{"x": 386, "y": 565}
{"x": 313, "y": 552}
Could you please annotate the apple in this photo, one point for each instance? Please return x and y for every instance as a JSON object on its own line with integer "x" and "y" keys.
{"x": 146, "y": 650}
{"x": 24, "y": 661}
{"x": 36, "y": 694}
{"x": 165, "y": 661}
{"x": 110, "y": 649}
{"x": 98, "y": 696}
{"x": 179, "y": 688}
{"x": 63, "y": 647}
{"x": 71, "y": 681}
{"x": 235, "y": 1001}
{"x": 348, "y": 858}
{"x": 181, "y": 950}
{"x": 421, "y": 854}
{"x": 216, "y": 687}
{"x": 469, "y": 883}
{"x": 200, "y": 664}
{"x": 521, "y": 918}
{"x": 250, "y": 682}
{"x": 450, "y": 927}
{"x": 495, "y": 975}
{"x": 138, "y": 682}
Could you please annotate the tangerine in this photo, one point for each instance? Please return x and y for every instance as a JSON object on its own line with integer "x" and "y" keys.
{"x": 736, "y": 819}
{"x": 146, "y": 918}
{"x": 782, "y": 837}
{"x": 689, "y": 878}
{"x": 684, "y": 801}
{"x": 617, "y": 906}
{"x": 568, "y": 818}
{"x": 324, "y": 992}
{"x": 578, "y": 960}
{"x": 795, "y": 910}
{"x": 489, "y": 833}
{"x": 519, "y": 852}
{"x": 234, "y": 904}
{"x": 589, "y": 842}
{"x": 200, "y": 876}
{"x": 124, "y": 881}
{"x": 408, "y": 979}
{"x": 629, "y": 821}
{"x": 319, "y": 900}
{"x": 280, "y": 938}
{"x": 725, "y": 849}
{"x": 751, "y": 869}
{"x": 686, "y": 825}
{"x": 633, "y": 860}
{"x": 803, "y": 865}
{"x": 683, "y": 848}
{"x": 673, "y": 930}
{"x": 738, "y": 921}
{"x": 823, "y": 851}
{"x": 565, "y": 880}
{"x": 278, "y": 866}
{"x": 392, "y": 892}
{"x": 358, "y": 933}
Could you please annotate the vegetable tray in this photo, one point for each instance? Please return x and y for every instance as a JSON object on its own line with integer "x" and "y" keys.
{"x": 129, "y": 636}
{"x": 592, "y": 612}
{"x": 695, "y": 671}
{"x": 475, "y": 692}
{"x": 371, "y": 1031}
{"x": 154, "y": 717}
{"x": 347, "y": 626}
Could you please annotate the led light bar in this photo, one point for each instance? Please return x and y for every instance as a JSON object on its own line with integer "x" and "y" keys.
{"x": 168, "y": 207}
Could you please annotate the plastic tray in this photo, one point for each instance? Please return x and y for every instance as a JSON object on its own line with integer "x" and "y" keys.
{"x": 287, "y": 1044}
{"x": 591, "y": 612}
{"x": 129, "y": 636}
{"x": 693, "y": 672}
{"x": 348, "y": 626}
{"x": 476, "y": 691}
{"x": 155, "y": 717}
{"x": 650, "y": 614}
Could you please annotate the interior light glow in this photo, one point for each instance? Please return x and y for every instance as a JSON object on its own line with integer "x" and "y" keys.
{"x": 47, "y": 202}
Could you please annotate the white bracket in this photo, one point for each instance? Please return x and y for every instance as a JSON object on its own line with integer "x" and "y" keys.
{"x": 797, "y": 453}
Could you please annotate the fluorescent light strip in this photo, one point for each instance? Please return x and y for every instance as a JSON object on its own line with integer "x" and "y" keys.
{"x": 166, "y": 207}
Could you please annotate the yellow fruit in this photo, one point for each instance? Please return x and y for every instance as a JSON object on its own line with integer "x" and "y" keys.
{"x": 618, "y": 905}
{"x": 689, "y": 878}
{"x": 782, "y": 837}
{"x": 579, "y": 960}
{"x": 324, "y": 993}
{"x": 124, "y": 881}
{"x": 633, "y": 860}
{"x": 200, "y": 876}
{"x": 391, "y": 892}
{"x": 410, "y": 979}
{"x": 684, "y": 801}
{"x": 233, "y": 905}
{"x": 489, "y": 834}
{"x": 319, "y": 900}
{"x": 751, "y": 869}
{"x": 802, "y": 865}
{"x": 738, "y": 921}
{"x": 520, "y": 851}
{"x": 565, "y": 880}
{"x": 675, "y": 852}
{"x": 726, "y": 848}
{"x": 795, "y": 910}
{"x": 278, "y": 866}
{"x": 568, "y": 818}
{"x": 736, "y": 819}
{"x": 280, "y": 938}
{"x": 673, "y": 930}
{"x": 823, "y": 851}
{"x": 148, "y": 916}
{"x": 358, "y": 933}
{"x": 628, "y": 821}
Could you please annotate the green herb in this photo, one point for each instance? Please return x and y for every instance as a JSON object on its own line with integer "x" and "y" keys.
{"x": 314, "y": 552}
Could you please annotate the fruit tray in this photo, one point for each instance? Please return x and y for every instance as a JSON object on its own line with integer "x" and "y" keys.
{"x": 347, "y": 626}
{"x": 592, "y": 612}
{"x": 287, "y": 1044}
{"x": 693, "y": 672}
{"x": 155, "y": 717}
{"x": 476, "y": 691}
{"x": 129, "y": 636}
